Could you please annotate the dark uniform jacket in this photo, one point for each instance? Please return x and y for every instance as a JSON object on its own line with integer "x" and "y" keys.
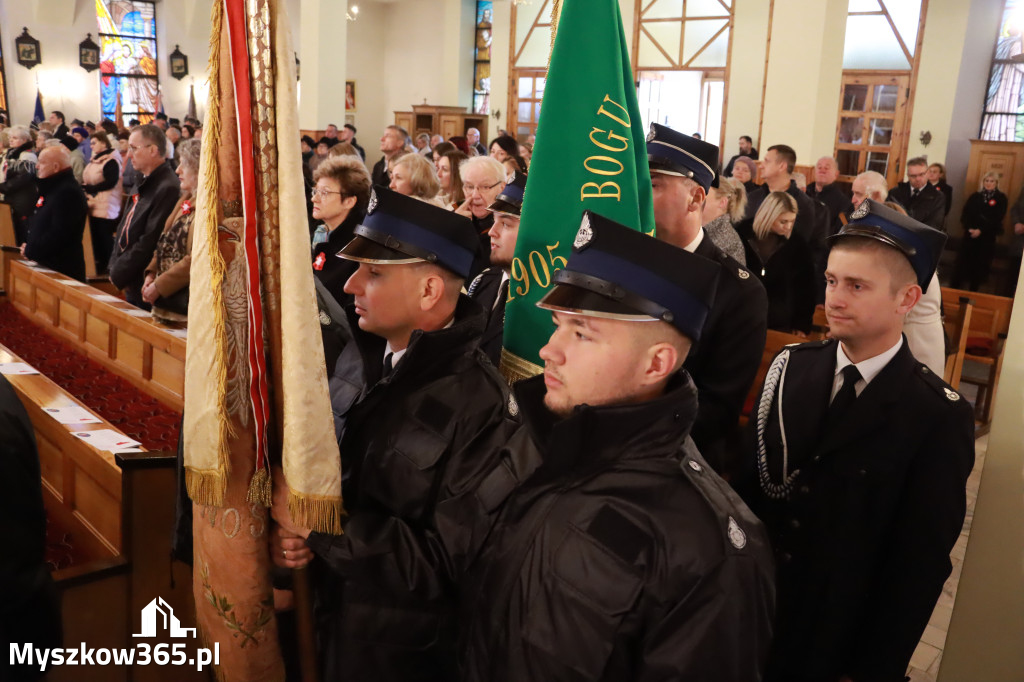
{"x": 407, "y": 442}
{"x": 616, "y": 554}
{"x": 929, "y": 207}
{"x": 140, "y": 228}
{"x": 725, "y": 361}
{"x": 485, "y": 290}
{"x": 30, "y": 607}
{"x": 332, "y": 271}
{"x": 55, "y": 230}
{"x": 863, "y": 538}
{"x": 789, "y": 277}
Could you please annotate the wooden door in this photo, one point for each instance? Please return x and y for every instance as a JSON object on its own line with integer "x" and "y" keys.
{"x": 527, "y": 92}
{"x": 1005, "y": 159}
{"x": 871, "y": 131}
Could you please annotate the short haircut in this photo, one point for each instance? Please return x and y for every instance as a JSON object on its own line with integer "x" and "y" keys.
{"x": 58, "y": 114}
{"x": 351, "y": 127}
{"x": 424, "y": 136}
{"x": 875, "y": 185}
{"x": 20, "y": 132}
{"x": 646, "y": 334}
{"x": 331, "y": 125}
{"x": 786, "y": 153}
{"x": 901, "y": 272}
{"x": 488, "y": 164}
{"x": 402, "y": 131}
{"x": 747, "y": 138}
{"x": 773, "y": 206}
{"x": 736, "y": 195}
{"x": 917, "y": 161}
{"x": 187, "y": 153}
{"x": 161, "y": 116}
{"x": 351, "y": 175}
{"x": 422, "y": 176}
{"x": 155, "y": 136}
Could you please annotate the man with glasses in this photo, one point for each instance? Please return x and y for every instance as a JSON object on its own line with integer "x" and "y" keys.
{"x": 922, "y": 201}
{"x": 483, "y": 178}
{"x": 148, "y": 210}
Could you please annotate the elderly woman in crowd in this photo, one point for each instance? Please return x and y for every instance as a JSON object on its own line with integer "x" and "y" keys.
{"x": 982, "y": 219}
{"x": 744, "y": 169}
{"x": 414, "y": 176}
{"x": 783, "y": 262}
{"x": 18, "y": 174}
{"x": 724, "y": 207}
{"x": 167, "y": 275}
{"x": 101, "y": 181}
{"x": 340, "y": 199}
{"x": 450, "y": 179}
{"x": 483, "y": 178}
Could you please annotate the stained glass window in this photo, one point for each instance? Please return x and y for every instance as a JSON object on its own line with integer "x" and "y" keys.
{"x": 482, "y": 57}
{"x": 1003, "y": 119}
{"x": 128, "y": 59}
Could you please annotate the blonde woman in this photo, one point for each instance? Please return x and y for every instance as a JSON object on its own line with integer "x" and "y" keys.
{"x": 723, "y": 208}
{"x": 414, "y": 176}
{"x": 783, "y": 262}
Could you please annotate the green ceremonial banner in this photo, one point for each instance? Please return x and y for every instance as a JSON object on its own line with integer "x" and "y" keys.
{"x": 590, "y": 153}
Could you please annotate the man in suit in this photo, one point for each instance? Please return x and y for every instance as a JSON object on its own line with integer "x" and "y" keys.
{"x": 724, "y": 362}
{"x": 923, "y": 202}
{"x": 777, "y": 173}
{"x": 490, "y": 287}
{"x": 860, "y": 469}
{"x": 392, "y": 145}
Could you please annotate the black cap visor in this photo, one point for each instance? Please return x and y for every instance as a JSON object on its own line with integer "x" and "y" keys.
{"x": 573, "y": 300}
{"x": 499, "y": 206}
{"x": 365, "y": 250}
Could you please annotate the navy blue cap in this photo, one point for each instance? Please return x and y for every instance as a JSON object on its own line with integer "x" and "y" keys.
{"x": 511, "y": 198}
{"x": 675, "y": 153}
{"x": 921, "y": 244}
{"x": 622, "y": 274}
{"x": 400, "y": 229}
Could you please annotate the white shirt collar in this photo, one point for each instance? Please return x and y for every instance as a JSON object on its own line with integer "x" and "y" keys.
{"x": 692, "y": 246}
{"x": 868, "y": 369}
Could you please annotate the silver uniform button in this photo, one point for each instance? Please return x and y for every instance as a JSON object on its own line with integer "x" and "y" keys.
{"x": 695, "y": 466}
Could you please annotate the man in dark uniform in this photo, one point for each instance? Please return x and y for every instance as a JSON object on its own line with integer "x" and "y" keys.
{"x": 413, "y": 397}
{"x": 490, "y": 287}
{"x": 725, "y": 361}
{"x": 860, "y": 471}
{"x": 923, "y": 202}
{"x": 617, "y": 553}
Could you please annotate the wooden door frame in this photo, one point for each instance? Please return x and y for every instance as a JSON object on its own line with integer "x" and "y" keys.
{"x": 901, "y": 119}
{"x": 513, "y": 58}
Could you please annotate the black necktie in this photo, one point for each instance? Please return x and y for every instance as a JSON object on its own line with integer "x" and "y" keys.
{"x": 388, "y": 367}
{"x": 845, "y": 397}
{"x": 914, "y": 193}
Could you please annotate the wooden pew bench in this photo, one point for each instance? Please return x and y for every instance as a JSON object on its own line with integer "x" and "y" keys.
{"x": 117, "y": 512}
{"x": 121, "y": 337}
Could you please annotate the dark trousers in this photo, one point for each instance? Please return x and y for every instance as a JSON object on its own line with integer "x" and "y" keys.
{"x": 974, "y": 261}
{"x": 102, "y": 230}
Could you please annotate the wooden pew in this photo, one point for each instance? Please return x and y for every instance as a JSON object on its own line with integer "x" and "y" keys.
{"x": 117, "y": 512}
{"x": 7, "y": 238}
{"x": 990, "y": 323}
{"x": 957, "y": 326}
{"x": 774, "y": 342}
{"x": 123, "y": 338}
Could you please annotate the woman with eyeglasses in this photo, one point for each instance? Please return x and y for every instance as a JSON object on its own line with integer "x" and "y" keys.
{"x": 340, "y": 196}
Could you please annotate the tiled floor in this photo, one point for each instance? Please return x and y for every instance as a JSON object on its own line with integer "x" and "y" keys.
{"x": 924, "y": 664}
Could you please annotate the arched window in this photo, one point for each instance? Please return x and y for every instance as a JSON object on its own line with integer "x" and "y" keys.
{"x": 1003, "y": 119}
{"x": 128, "y": 59}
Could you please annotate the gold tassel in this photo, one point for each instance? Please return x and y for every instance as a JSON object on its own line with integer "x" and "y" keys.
{"x": 259, "y": 488}
{"x": 322, "y": 514}
{"x": 206, "y": 488}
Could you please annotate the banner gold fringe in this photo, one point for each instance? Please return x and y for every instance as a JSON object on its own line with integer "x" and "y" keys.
{"x": 317, "y": 512}
{"x": 204, "y": 486}
{"x": 515, "y": 368}
{"x": 259, "y": 488}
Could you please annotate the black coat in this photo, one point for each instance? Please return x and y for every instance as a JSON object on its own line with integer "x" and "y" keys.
{"x": 484, "y": 290}
{"x": 863, "y": 539}
{"x": 332, "y": 271}
{"x": 55, "y": 230}
{"x": 617, "y": 554}
{"x": 724, "y": 362}
{"x": 408, "y": 442}
{"x": 30, "y": 607}
{"x": 809, "y": 224}
{"x": 140, "y": 228}
{"x": 947, "y": 192}
{"x": 929, "y": 207}
{"x": 728, "y": 167}
{"x": 379, "y": 174}
{"x": 835, "y": 199}
{"x": 985, "y": 214}
{"x": 19, "y": 188}
{"x": 789, "y": 277}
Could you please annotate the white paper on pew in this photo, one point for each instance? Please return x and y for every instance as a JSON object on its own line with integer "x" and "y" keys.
{"x": 107, "y": 439}
{"x": 71, "y": 414}
{"x": 180, "y": 333}
{"x": 74, "y": 283}
{"x": 30, "y": 263}
{"x": 107, "y": 297}
{"x": 126, "y": 451}
{"x": 11, "y": 368}
{"x": 40, "y": 268}
{"x": 137, "y": 312}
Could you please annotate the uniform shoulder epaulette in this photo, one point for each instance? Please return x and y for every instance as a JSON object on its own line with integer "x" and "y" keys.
{"x": 807, "y": 345}
{"x": 732, "y": 266}
{"x": 944, "y": 390}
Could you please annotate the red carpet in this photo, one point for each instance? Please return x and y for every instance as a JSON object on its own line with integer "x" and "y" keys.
{"x": 119, "y": 402}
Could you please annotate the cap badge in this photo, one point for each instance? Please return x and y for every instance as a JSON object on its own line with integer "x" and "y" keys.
{"x": 736, "y": 535}
{"x": 861, "y": 211}
{"x": 513, "y": 406}
{"x": 325, "y": 319}
{"x": 743, "y": 274}
{"x": 584, "y": 235}
{"x": 953, "y": 396}
{"x": 373, "y": 202}
{"x": 651, "y": 135}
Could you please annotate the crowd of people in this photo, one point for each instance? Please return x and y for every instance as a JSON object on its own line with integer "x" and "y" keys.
{"x": 606, "y": 519}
